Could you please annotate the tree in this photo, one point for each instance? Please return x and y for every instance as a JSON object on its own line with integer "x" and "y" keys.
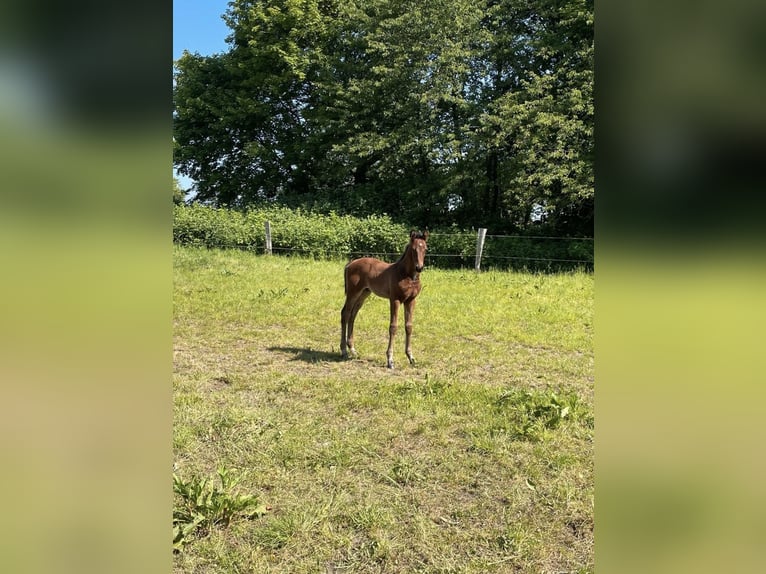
{"x": 536, "y": 124}
{"x": 208, "y": 143}
{"x": 394, "y": 103}
{"x": 240, "y": 124}
{"x": 433, "y": 111}
{"x": 178, "y": 193}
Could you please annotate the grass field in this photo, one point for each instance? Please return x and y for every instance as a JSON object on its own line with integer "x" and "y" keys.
{"x": 478, "y": 458}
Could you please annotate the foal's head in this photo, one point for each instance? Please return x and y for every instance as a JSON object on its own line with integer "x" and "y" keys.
{"x": 418, "y": 249}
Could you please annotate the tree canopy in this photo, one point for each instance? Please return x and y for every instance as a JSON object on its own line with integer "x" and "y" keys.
{"x": 436, "y": 112}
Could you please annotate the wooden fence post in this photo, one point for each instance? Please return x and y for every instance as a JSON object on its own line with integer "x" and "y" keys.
{"x": 268, "y": 238}
{"x": 479, "y": 247}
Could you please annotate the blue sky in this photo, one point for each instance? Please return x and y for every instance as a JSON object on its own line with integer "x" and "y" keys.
{"x": 198, "y": 27}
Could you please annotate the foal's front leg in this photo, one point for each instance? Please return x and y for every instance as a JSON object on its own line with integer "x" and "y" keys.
{"x": 392, "y": 333}
{"x": 409, "y": 310}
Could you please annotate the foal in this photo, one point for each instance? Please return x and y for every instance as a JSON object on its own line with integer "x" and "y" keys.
{"x": 398, "y": 282}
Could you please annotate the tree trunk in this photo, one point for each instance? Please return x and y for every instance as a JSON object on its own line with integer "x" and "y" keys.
{"x": 492, "y": 194}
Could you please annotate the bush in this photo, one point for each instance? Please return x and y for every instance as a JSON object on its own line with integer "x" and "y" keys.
{"x": 291, "y": 230}
{"x": 205, "y": 226}
{"x": 452, "y": 247}
{"x": 333, "y": 235}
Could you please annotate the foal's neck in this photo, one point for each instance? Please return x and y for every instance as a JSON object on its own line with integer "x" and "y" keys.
{"x": 406, "y": 266}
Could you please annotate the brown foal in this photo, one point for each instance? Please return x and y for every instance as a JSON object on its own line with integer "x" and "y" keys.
{"x": 398, "y": 282}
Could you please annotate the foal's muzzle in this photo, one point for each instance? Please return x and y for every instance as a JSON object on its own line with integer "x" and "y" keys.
{"x": 418, "y": 268}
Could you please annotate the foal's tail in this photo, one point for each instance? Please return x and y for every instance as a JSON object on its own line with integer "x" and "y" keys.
{"x": 345, "y": 279}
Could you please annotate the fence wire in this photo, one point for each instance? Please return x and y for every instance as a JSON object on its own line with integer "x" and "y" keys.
{"x": 465, "y": 258}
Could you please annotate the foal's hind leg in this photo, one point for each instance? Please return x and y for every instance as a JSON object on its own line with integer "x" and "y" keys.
{"x": 352, "y": 319}
{"x": 345, "y": 313}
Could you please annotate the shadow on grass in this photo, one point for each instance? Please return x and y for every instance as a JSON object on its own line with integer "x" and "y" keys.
{"x": 308, "y": 355}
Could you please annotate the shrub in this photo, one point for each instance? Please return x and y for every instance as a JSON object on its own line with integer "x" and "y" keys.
{"x": 209, "y": 227}
{"x": 332, "y": 235}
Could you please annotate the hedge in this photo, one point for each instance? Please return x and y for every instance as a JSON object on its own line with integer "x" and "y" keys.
{"x": 331, "y": 235}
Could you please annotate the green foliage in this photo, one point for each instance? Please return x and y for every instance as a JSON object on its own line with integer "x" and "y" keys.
{"x": 537, "y": 115}
{"x": 178, "y": 193}
{"x": 201, "y": 505}
{"x": 454, "y": 241}
{"x": 530, "y": 414}
{"x": 439, "y": 112}
{"x": 327, "y": 236}
{"x": 210, "y": 227}
{"x": 538, "y": 253}
{"x": 295, "y": 231}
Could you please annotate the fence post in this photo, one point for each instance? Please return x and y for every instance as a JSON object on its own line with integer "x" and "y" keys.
{"x": 268, "y": 238}
{"x": 479, "y": 247}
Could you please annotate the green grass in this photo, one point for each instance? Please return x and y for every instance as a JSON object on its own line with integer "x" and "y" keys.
{"x": 478, "y": 458}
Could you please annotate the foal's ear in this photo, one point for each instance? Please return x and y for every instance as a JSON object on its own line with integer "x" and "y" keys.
{"x": 425, "y": 235}
{"x": 413, "y": 234}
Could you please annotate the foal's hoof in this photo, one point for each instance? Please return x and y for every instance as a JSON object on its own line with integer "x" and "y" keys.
{"x": 390, "y": 364}
{"x": 349, "y": 354}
